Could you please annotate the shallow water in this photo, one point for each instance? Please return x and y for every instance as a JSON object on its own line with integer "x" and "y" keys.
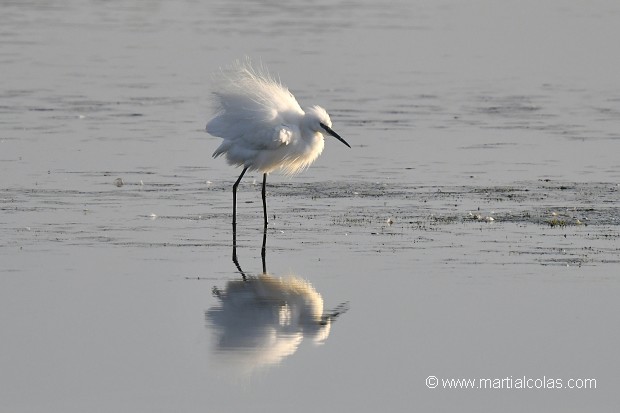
{"x": 472, "y": 231}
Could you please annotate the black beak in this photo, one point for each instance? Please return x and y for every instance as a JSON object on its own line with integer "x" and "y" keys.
{"x": 334, "y": 134}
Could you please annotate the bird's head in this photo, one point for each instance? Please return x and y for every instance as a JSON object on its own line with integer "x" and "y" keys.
{"x": 317, "y": 120}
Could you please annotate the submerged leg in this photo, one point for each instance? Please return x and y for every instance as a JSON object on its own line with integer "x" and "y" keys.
{"x": 264, "y": 201}
{"x": 234, "y": 253}
{"x": 235, "y": 196}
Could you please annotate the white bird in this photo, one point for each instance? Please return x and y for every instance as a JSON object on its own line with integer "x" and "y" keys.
{"x": 263, "y": 126}
{"x": 263, "y": 319}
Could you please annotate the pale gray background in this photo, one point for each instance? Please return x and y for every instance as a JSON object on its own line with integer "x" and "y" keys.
{"x": 507, "y": 109}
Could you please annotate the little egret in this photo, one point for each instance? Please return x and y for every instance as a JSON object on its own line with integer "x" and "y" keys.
{"x": 263, "y": 126}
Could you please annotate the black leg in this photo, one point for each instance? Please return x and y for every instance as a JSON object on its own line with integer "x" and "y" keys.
{"x": 235, "y": 196}
{"x": 234, "y": 253}
{"x": 264, "y": 201}
{"x": 263, "y": 251}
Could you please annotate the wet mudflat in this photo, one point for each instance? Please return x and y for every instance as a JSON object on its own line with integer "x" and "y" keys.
{"x": 472, "y": 230}
{"x": 537, "y": 222}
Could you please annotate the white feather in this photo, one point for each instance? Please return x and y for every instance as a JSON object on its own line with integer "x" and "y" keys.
{"x": 263, "y": 127}
{"x": 261, "y": 122}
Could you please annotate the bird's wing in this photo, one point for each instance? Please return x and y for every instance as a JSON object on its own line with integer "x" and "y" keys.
{"x": 246, "y": 137}
{"x": 285, "y": 134}
{"x": 253, "y": 108}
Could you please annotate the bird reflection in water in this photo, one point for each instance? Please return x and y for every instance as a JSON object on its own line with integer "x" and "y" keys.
{"x": 260, "y": 320}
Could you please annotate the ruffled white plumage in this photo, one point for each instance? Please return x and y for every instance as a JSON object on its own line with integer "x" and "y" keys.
{"x": 261, "y": 122}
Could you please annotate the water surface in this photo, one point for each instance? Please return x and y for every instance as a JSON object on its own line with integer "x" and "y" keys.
{"x": 472, "y": 231}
